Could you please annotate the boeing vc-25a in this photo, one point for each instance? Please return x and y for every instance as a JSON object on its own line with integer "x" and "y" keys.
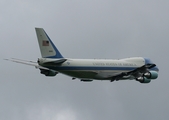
{"x": 52, "y": 62}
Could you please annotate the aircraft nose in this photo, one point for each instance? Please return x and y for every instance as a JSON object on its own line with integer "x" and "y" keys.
{"x": 148, "y": 61}
{"x": 156, "y": 68}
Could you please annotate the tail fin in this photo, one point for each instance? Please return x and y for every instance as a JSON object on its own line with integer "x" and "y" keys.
{"x": 47, "y": 48}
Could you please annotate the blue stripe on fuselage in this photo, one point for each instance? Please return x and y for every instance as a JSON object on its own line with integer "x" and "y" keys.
{"x": 60, "y": 68}
{"x": 91, "y": 68}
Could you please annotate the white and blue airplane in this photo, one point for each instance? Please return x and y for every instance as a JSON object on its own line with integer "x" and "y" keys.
{"x": 52, "y": 62}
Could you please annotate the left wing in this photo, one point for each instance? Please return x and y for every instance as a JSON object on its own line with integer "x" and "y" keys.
{"x": 136, "y": 73}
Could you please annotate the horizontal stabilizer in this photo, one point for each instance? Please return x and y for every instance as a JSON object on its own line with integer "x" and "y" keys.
{"x": 49, "y": 61}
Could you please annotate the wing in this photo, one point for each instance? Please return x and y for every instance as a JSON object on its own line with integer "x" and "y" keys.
{"x": 136, "y": 73}
{"x": 31, "y": 63}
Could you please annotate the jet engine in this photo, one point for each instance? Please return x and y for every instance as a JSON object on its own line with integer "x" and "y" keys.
{"x": 48, "y": 73}
{"x": 151, "y": 75}
{"x": 143, "y": 80}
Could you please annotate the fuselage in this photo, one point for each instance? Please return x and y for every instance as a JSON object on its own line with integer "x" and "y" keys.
{"x": 101, "y": 69}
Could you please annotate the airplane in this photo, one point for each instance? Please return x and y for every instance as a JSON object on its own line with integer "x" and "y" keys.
{"x": 52, "y": 62}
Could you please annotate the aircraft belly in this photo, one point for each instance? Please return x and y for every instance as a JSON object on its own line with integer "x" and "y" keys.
{"x": 100, "y": 75}
{"x": 80, "y": 74}
{"x": 106, "y": 75}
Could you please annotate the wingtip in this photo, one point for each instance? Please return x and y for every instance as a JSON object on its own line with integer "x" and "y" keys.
{"x": 6, "y": 59}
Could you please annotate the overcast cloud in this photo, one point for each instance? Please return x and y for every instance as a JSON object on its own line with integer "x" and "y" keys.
{"x": 83, "y": 29}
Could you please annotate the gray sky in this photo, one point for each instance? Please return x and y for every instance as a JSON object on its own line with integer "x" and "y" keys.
{"x": 83, "y": 29}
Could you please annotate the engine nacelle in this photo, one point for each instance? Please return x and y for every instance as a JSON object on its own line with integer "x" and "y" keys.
{"x": 48, "y": 73}
{"x": 143, "y": 80}
{"x": 151, "y": 75}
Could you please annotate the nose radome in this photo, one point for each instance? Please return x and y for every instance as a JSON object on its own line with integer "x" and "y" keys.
{"x": 148, "y": 61}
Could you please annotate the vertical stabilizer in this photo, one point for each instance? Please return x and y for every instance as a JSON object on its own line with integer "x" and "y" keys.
{"x": 47, "y": 48}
